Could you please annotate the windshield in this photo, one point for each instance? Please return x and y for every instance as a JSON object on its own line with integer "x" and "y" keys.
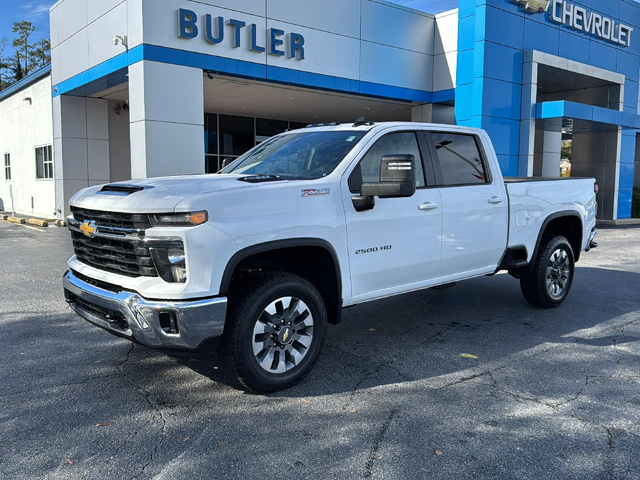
{"x": 297, "y": 156}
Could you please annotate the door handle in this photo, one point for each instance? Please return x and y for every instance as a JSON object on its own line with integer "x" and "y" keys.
{"x": 495, "y": 200}
{"x": 428, "y": 206}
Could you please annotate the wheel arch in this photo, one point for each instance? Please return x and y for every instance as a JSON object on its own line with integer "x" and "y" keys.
{"x": 311, "y": 258}
{"x": 566, "y": 223}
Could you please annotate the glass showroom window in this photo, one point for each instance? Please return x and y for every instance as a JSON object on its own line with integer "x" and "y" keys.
{"x": 7, "y": 166}
{"x": 44, "y": 163}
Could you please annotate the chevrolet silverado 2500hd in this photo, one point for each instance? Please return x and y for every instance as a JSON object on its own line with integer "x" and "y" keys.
{"x": 257, "y": 259}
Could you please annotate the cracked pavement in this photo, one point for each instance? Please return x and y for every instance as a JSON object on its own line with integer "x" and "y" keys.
{"x": 552, "y": 394}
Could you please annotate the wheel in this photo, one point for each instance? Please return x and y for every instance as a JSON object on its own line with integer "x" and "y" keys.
{"x": 274, "y": 331}
{"x": 549, "y": 283}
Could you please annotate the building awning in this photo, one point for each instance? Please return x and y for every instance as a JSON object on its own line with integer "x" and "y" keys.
{"x": 572, "y": 117}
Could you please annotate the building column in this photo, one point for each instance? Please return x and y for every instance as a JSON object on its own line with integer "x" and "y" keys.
{"x": 167, "y": 119}
{"x": 526, "y": 152}
{"x": 422, "y": 113}
{"x": 597, "y": 155}
{"x": 551, "y": 154}
{"x": 81, "y": 146}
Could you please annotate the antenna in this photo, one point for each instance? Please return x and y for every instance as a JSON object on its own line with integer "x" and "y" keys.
{"x": 360, "y": 121}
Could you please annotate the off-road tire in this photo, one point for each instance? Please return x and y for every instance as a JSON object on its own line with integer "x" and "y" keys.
{"x": 247, "y": 301}
{"x": 534, "y": 285}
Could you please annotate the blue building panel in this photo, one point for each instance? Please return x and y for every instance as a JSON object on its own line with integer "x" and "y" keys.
{"x": 501, "y": 99}
{"x": 603, "y": 56}
{"x": 628, "y": 150}
{"x": 572, "y": 46}
{"x": 628, "y": 65}
{"x": 508, "y": 69}
{"x": 542, "y": 37}
{"x": 504, "y": 28}
{"x": 624, "y": 203}
{"x": 505, "y": 135}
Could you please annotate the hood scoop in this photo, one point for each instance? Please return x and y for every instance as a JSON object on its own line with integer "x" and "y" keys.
{"x": 121, "y": 190}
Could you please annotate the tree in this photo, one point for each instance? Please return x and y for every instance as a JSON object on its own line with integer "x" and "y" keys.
{"x": 24, "y": 30}
{"x": 16, "y": 68}
{"x": 566, "y": 149}
{"x": 3, "y": 63}
{"x": 41, "y": 53}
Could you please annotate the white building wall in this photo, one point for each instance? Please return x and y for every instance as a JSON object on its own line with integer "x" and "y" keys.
{"x": 445, "y": 51}
{"x": 24, "y": 126}
{"x": 354, "y": 39}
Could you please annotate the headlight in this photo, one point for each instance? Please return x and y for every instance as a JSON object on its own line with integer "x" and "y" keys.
{"x": 188, "y": 219}
{"x": 171, "y": 263}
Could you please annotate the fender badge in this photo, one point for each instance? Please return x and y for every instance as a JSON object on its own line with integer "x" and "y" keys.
{"x": 315, "y": 192}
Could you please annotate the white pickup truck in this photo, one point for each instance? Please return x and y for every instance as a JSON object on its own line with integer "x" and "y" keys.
{"x": 257, "y": 259}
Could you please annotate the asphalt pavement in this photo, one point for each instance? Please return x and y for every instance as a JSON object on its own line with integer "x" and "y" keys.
{"x": 468, "y": 382}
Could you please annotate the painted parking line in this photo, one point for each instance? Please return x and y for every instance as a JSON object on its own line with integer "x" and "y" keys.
{"x": 27, "y": 226}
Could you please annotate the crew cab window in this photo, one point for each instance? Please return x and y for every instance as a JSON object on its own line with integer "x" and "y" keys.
{"x": 460, "y": 159}
{"x": 403, "y": 143}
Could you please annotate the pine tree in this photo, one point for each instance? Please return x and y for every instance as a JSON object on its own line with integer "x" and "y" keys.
{"x": 16, "y": 68}
{"x": 24, "y": 30}
{"x": 41, "y": 53}
{"x": 3, "y": 63}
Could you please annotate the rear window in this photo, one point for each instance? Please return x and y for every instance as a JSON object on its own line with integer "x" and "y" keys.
{"x": 460, "y": 159}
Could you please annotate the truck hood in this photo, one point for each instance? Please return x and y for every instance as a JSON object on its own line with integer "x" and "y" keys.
{"x": 154, "y": 195}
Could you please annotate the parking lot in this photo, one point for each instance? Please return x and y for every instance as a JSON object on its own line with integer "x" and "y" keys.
{"x": 467, "y": 382}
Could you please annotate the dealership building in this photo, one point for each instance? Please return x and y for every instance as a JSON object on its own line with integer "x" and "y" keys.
{"x": 147, "y": 88}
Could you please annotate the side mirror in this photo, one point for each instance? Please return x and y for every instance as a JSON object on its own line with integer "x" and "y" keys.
{"x": 227, "y": 161}
{"x": 397, "y": 178}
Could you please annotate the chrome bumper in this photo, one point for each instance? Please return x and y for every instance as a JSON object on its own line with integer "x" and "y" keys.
{"x": 592, "y": 244}
{"x": 128, "y": 315}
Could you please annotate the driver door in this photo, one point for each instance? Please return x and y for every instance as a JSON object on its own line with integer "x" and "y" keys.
{"x": 395, "y": 246}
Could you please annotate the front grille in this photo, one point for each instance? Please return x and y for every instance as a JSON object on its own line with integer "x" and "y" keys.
{"x": 100, "y": 284}
{"x": 111, "y": 219}
{"x": 115, "y": 319}
{"x": 124, "y": 257}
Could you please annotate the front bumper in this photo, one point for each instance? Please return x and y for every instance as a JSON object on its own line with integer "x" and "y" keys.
{"x": 194, "y": 325}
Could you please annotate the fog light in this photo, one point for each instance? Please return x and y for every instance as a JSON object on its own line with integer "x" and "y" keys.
{"x": 171, "y": 264}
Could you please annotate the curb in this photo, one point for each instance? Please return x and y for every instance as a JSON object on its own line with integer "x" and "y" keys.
{"x": 19, "y": 221}
{"x": 38, "y": 222}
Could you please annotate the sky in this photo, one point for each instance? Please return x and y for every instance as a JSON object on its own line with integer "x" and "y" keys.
{"x": 37, "y": 12}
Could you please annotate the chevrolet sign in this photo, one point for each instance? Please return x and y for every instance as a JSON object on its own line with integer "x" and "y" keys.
{"x": 578, "y": 18}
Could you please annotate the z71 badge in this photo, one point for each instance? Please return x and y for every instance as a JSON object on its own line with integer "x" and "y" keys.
{"x": 316, "y": 192}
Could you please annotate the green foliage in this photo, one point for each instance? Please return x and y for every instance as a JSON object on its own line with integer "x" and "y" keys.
{"x": 29, "y": 55}
{"x": 23, "y": 31}
{"x": 567, "y": 146}
{"x": 635, "y": 206}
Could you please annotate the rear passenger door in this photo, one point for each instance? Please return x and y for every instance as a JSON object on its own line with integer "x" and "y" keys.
{"x": 474, "y": 206}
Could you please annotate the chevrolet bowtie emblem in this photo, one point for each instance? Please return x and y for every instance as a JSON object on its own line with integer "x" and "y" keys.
{"x": 285, "y": 336}
{"x": 88, "y": 228}
{"x": 533, "y": 6}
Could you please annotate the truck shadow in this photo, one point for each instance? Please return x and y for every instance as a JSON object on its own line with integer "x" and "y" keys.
{"x": 440, "y": 336}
